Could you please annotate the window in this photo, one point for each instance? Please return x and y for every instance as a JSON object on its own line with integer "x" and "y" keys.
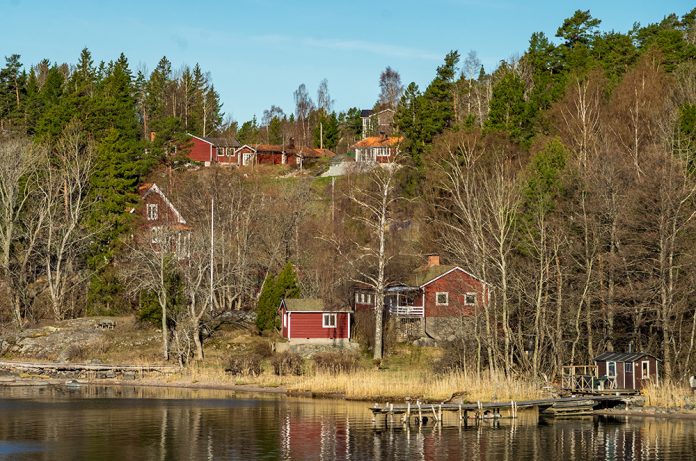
{"x": 151, "y": 211}
{"x": 363, "y": 298}
{"x": 628, "y": 367}
{"x": 329, "y": 321}
{"x": 155, "y": 236}
{"x": 470, "y": 299}
{"x": 220, "y": 151}
{"x": 611, "y": 369}
{"x": 645, "y": 369}
{"x": 442, "y": 298}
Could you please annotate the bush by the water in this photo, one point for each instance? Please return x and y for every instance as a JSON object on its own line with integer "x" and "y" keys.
{"x": 245, "y": 364}
{"x": 287, "y": 363}
{"x": 336, "y": 362}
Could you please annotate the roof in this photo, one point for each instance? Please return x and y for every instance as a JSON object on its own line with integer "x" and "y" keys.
{"x": 147, "y": 189}
{"x": 423, "y": 275}
{"x": 378, "y": 141}
{"x": 622, "y": 356}
{"x": 304, "y": 151}
{"x": 218, "y": 142}
{"x": 366, "y": 112}
{"x": 310, "y": 305}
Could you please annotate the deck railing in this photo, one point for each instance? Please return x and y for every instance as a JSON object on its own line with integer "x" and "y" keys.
{"x": 579, "y": 377}
{"x": 407, "y": 311}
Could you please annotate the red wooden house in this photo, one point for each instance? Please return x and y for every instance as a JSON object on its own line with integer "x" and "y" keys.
{"x": 214, "y": 150}
{"x": 310, "y": 321}
{"x": 161, "y": 222}
{"x": 279, "y": 154}
{"x": 438, "y": 298}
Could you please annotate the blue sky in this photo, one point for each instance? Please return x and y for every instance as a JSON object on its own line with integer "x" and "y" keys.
{"x": 259, "y": 51}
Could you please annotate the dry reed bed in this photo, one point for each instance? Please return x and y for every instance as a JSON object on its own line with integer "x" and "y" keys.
{"x": 381, "y": 385}
{"x": 374, "y": 384}
{"x": 669, "y": 395}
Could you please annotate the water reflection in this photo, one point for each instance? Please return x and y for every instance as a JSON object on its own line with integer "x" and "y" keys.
{"x": 162, "y": 424}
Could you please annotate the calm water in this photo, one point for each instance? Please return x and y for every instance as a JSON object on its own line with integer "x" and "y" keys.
{"x": 99, "y": 423}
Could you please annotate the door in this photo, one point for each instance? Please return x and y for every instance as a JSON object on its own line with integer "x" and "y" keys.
{"x": 246, "y": 159}
{"x": 629, "y": 382}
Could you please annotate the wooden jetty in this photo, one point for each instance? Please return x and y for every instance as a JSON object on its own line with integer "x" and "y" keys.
{"x": 420, "y": 413}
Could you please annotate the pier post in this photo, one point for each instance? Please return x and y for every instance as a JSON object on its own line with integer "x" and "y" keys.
{"x": 439, "y": 416}
{"x": 420, "y": 414}
{"x": 460, "y": 414}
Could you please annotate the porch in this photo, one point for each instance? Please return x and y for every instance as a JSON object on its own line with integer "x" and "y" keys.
{"x": 404, "y": 301}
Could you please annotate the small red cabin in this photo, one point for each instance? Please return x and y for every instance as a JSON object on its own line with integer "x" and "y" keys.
{"x": 628, "y": 370}
{"x": 309, "y": 321}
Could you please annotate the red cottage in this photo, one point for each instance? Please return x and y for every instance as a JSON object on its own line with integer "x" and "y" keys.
{"x": 627, "y": 370}
{"x": 309, "y": 321}
{"x": 437, "y": 300}
{"x": 214, "y": 150}
{"x": 278, "y": 154}
{"x": 160, "y": 221}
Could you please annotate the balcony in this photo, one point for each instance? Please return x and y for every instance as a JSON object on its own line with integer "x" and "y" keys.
{"x": 407, "y": 311}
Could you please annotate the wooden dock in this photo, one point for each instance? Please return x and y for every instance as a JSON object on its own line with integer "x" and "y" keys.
{"x": 420, "y": 413}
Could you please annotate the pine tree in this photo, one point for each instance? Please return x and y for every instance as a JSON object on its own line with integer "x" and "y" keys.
{"x": 507, "y": 107}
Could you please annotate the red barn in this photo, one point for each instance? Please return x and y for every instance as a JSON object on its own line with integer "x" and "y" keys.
{"x": 309, "y": 321}
{"x": 436, "y": 298}
{"x": 214, "y": 150}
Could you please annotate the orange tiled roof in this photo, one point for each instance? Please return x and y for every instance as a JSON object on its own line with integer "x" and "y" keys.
{"x": 379, "y": 141}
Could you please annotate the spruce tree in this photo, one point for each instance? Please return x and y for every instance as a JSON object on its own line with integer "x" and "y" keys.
{"x": 284, "y": 285}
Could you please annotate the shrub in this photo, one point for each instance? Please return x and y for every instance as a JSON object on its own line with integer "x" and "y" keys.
{"x": 264, "y": 349}
{"x": 287, "y": 363}
{"x": 245, "y": 364}
{"x": 336, "y": 362}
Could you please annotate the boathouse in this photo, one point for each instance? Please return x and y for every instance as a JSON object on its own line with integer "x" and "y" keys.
{"x": 310, "y": 321}
{"x": 628, "y": 370}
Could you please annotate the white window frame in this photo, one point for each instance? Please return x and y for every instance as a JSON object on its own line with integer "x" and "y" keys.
{"x": 645, "y": 369}
{"x": 152, "y": 212}
{"x": 285, "y": 320}
{"x": 332, "y": 319}
{"x": 466, "y": 295}
{"x": 437, "y": 300}
{"x": 608, "y": 370}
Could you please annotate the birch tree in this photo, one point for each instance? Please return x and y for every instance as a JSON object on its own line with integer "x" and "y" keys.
{"x": 66, "y": 202}
{"x": 373, "y": 198}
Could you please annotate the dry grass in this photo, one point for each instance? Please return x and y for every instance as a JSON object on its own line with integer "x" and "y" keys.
{"x": 668, "y": 395}
{"x": 377, "y": 384}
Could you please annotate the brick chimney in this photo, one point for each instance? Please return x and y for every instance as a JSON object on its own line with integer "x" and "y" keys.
{"x": 291, "y": 143}
{"x": 433, "y": 260}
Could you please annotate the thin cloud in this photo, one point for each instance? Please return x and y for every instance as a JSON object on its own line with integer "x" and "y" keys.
{"x": 380, "y": 49}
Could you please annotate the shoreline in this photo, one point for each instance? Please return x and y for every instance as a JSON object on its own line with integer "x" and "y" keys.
{"x": 18, "y": 381}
